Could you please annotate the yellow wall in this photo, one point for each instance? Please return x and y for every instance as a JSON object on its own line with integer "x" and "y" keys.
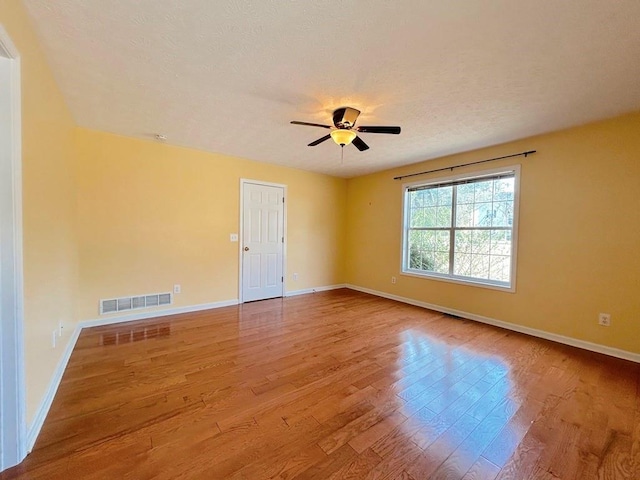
{"x": 50, "y": 255}
{"x": 153, "y": 215}
{"x": 579, "y": 235}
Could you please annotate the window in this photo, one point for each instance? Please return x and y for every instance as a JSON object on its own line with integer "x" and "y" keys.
{"x": 462, "y": 229}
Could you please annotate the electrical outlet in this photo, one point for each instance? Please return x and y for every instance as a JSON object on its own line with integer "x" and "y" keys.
{"x": 295, "y": 276}
{"x": 233, "y": 237}
{"x": 604, "y": 319}
{"x": 54, "y": 336}
{"x": 177, "y": 288}
{"x": 393, "y": 279}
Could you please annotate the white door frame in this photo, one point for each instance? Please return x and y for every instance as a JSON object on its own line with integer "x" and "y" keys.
{"x": 243, "y": 182}
{"x": 13, "y": 447}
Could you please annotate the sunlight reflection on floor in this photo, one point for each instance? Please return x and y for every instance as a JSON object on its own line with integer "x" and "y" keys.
{"x": 457, "y": 399}
{"x": 135, "y": 334}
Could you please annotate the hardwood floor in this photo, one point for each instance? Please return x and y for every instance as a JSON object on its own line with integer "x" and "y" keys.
{"x": 335, "y": 385}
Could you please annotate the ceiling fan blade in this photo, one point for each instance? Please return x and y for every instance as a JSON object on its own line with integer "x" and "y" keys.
{"x": 320, "y": 140}
{"x": 310, "y": 124}
{"x": 360, "y": 145}
{"x": 392, "y": 130}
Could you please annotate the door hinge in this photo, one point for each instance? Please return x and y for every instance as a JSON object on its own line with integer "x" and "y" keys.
{"x": 282, "y": 239}
{"x": 282, "y": 199}
{"x": 282, "y": 279}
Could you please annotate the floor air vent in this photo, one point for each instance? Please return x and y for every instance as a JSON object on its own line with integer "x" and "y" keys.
{"x": 114, "y": 305}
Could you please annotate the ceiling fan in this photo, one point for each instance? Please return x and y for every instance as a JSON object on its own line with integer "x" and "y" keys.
{"x": 344, "y": 130}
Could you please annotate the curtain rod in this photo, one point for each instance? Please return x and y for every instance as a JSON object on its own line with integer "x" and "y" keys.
{"x": 525, "y": 154}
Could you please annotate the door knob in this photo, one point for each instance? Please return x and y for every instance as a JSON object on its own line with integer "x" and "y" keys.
{"x": 246, "y": 249}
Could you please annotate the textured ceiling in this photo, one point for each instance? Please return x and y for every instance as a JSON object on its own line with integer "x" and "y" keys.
{"x": 228, "y": 76}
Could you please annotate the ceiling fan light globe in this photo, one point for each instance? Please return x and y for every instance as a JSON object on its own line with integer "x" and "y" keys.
{"x": 342, "y": 136}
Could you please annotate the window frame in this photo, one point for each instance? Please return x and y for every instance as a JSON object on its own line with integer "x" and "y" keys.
{"x": 459, "y": 279}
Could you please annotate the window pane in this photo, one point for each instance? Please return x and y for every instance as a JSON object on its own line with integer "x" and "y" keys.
{"x": 442, "y": 239}
{"x": 500, "y": 266}
{"x": 481, "y": 241}
{"x": 462, "y": 264}
{"x": 443, "y": 217}
{"x": 414, "y": 237}
{"x": 418, "y": 245}
{"x": 430, "y": 197}
{"x": 480, "y": 266}
{"x": 503, "y": 189}
{"x": 429, "y": 239}
{"x": 482, "y": 214}
{"x": 465, "y": 193}
{"x": 425, "y": 217}
{"x": 483, "y": 254}
{"x": 429, "y": 217}
{"x": 464, "y": 215}
{"x": 500, "y": 242}
{"x": 445, "y": 195}
{"x": 416, "y": 251}
{"x": 429, "y": 250}
{"x": 427, "y": 261}
{"x": 441, "y": 262}
{"x": 414, "y": 214}
{"x": 416, "y": 199}
{"x": 502, "y": 214}
{"x": 483, "y": 191}
{"x": 463, "y": 241}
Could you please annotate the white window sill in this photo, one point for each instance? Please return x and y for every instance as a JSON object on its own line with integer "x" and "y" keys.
{"x": 462, "y": 281}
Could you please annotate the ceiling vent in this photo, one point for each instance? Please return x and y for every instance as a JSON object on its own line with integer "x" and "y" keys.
{"x": 114, "y": 305}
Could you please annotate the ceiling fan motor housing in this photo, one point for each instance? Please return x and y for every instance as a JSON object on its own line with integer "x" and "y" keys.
{"x": 345, "y": 117}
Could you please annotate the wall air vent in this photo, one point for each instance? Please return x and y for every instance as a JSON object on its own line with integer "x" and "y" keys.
{"x": 114, "y": 305}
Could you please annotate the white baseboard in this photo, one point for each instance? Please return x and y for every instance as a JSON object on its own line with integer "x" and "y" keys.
{"x": 45, "y": 405}
{"x": 41, "y": 414}
{"x": 292, "y": 293}
{"x": 554, "y": 337}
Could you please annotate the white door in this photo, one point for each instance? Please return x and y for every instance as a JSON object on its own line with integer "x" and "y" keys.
{"x": 262, "y": 241}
